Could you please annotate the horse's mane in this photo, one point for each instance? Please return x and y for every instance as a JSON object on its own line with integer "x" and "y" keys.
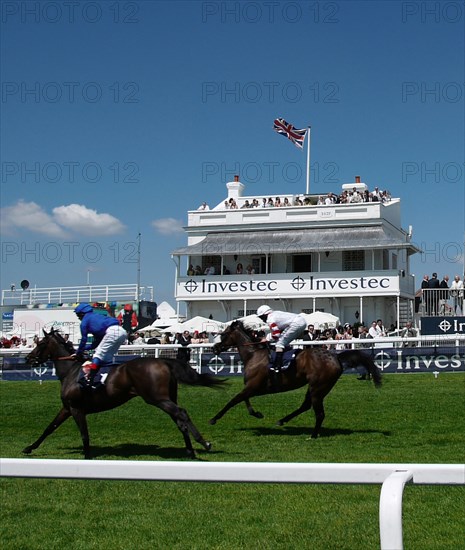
{"x": 247, "y": 330}
{"x": 250, "y": 332}
{"x": 56, "y": 334}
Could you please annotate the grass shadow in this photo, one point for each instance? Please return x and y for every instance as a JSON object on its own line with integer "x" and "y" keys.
{"x": 301, "y": 430}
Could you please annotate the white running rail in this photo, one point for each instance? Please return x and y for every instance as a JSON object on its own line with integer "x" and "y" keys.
{"x": 392, "y": 478}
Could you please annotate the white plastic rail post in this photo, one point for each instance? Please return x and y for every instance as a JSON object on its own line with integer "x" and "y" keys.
{"x": 390, "y": 510}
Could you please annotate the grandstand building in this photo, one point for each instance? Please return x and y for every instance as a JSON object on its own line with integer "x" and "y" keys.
{"x": 351, "y": 260}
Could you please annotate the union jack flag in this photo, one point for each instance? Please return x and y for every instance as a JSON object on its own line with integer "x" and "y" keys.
{"x": 296, "y": 136}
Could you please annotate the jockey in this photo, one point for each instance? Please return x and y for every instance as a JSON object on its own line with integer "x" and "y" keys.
{"x": 284, "y": 327}
{"x": 108, "y": 337}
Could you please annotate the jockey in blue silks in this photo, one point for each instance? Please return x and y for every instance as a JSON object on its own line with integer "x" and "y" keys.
{"x": 108, "y": 337}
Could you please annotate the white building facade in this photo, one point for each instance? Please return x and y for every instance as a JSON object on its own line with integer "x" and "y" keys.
{"x": 351, "y": 260}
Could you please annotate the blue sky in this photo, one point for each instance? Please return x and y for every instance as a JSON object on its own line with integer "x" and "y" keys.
{"x": 118, "y": 117}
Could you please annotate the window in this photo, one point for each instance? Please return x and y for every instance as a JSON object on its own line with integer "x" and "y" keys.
{"x": 302, "y": 263}
{"x": 353, "y": 260}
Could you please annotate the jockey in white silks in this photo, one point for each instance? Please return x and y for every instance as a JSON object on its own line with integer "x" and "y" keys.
{"x": 284, "y": 327}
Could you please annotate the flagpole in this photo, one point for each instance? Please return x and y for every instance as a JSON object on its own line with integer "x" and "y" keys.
{"x": 308, "y": 162}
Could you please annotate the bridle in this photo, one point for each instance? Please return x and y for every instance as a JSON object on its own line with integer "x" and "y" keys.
{"x": 38, "y": 360}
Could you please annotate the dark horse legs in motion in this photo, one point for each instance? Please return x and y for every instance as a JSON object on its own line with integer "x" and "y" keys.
{"x": 155, "y": 380}
{"x": 317, "y": 367}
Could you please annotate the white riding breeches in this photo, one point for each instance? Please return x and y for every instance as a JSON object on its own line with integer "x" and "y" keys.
{"x": 115, "y": 336}
{"x": 293, "y": 331}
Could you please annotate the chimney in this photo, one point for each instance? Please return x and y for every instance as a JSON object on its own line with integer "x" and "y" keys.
{"x": 235, "y": 188}
{"x": 357, "y": 179}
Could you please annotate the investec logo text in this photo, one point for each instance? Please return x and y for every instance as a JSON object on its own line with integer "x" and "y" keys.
{"x": 299, "y": 284}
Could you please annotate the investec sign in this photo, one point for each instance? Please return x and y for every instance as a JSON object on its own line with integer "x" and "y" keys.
{"x": 218, "y": 287}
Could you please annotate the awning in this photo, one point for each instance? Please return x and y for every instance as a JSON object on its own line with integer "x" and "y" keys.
{"x": 296, "y": 241}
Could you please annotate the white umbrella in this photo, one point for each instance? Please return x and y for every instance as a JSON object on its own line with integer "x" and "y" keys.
{"x": 201, "y": 324}
{"x": 322, "y": 319}
{"x": 149, "y": 330}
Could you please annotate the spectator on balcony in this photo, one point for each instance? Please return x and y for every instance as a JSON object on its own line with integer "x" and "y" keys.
{"x": 456, "y": 292}
{"x": 330, "y": 199}
{"x": 198, "y": 270}
{"x": 203, "y": 206}
{"x": 425, "y": 294}
{"x": 355, "y": 197}
{"x": 250, "y": 270}
{"x": 433, "y": 284}
{"x": 443, "y": 295}
{"x": 286, "y": 202}
{"x": 209, "y": 270}
{"x": 190, "y": 271}
{"x": 239, "y": 269}
{"x": 277, "y": 202}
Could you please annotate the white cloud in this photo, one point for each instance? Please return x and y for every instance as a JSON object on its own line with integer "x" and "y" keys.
{"x": 73, "y": 218}
{"x": 30, "y": 216}
{"x": 168, "y": 226}
{"x": 83, "y": 220}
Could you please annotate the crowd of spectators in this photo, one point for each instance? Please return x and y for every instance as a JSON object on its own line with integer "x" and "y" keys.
{"x": 345, "y": 197}
{"x": 438, "y": 298}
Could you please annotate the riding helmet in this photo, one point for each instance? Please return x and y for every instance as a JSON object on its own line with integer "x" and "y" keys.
{"x": 263, "y": 310}
{"x": 83, "y": 307}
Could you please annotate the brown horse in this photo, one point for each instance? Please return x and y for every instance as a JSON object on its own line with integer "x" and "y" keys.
{"x": 155, "y": 380}
{"x": 317, "y": 367}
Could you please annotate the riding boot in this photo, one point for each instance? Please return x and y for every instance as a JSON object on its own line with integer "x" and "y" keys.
{"x": 92, "y": 374}
{"x": 278, "y": 361}
{"x": 362, "y": 377}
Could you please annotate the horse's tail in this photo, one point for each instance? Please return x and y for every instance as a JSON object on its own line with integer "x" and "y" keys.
{"x": 185, "y": 374}
{"x": 353, "y": 358}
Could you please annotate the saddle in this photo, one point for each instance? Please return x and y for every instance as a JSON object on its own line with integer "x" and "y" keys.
{"x": 99, "y": 379}
{"x": 289, "y": 355}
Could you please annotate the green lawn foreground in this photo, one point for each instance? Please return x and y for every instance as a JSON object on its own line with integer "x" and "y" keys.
{"x": 413, "y": 418}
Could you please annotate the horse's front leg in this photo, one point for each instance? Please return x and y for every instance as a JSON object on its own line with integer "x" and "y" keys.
{"x": 63, "y": 415}
{"x": 306, "y": 405}
{"x": 244, "y": 395}
{"x": 81, "y": 421}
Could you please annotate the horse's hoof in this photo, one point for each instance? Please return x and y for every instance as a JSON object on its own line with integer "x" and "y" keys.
{"x": 212, "y": 422}
{"x": 27, "y": 451}
{"x": 258, "y": 415}
{"x": 279, "y": 423}
{"x": 208, "y": 446}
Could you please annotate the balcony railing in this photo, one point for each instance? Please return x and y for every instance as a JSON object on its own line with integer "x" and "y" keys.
{"x": 74, "y": 294}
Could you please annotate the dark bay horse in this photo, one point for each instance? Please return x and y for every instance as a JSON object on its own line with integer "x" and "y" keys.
{"x": 155, "y": 380}
{"x": 317, "y": 367}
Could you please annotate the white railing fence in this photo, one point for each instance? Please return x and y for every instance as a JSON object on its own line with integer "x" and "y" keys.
{"x": 392, "y": 478}
{"x": 73, "y": 294}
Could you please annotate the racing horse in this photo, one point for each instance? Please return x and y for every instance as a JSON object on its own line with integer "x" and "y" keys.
{"x": 317, "y": 367}
{"x": 155, "y": 380}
